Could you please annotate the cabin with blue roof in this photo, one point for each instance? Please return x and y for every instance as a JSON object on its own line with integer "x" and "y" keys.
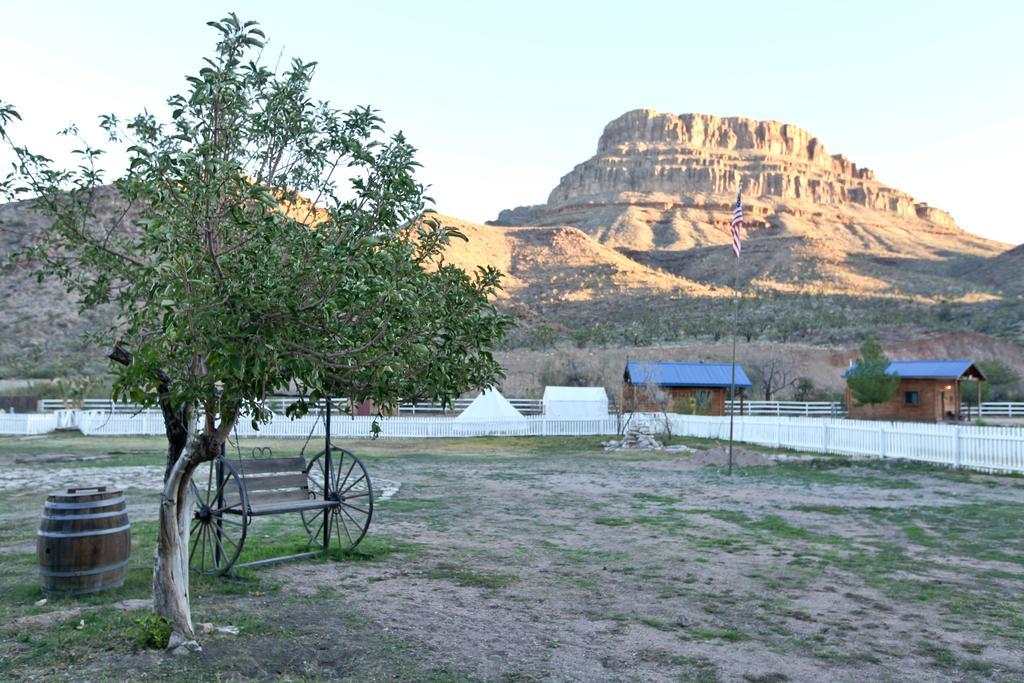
{"x": 688, "y": 388}
{"x": 930, "y": 391}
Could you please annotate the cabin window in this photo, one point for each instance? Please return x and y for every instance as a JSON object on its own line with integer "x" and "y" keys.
{"x": 911, "y": 398}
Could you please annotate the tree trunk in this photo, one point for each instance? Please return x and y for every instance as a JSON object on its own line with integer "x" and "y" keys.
{"x": 171, "y": 598}
{"x": 186, "y": 450}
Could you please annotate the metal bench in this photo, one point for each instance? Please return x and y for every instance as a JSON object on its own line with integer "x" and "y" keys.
{"x": 332, "y": 492}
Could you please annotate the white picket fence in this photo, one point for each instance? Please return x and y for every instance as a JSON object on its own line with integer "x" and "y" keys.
{"x": 23, "y": 424}
{"x": 103, "y": 423}
{"x": 526, "y": 406}
{"x": 990, "y": 449}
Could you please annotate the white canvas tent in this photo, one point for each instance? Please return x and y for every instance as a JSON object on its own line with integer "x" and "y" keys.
{"x": 490, "y": 406}
{"x": 575, "y": 402}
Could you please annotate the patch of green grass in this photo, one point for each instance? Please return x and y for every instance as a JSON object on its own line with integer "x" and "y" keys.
{"x": 651, "y": 498}
{"x": 612, "y": 521}
{"x": 659, "y": 624}
{"x": 823, "y": 509}
{"x": 463, "y": 576}
{"x": 940, "y": 655}
{"x": 411, "y": 504}
{"x": 730, "y": 635}
{"x": 153, "y": 632}
{"x": 775, "y": 527}
{"x": 916, "y": 534}
{"x": 375, "y": 548}
{"x": 823, "y": 472}
{"x": 689, "y": 669}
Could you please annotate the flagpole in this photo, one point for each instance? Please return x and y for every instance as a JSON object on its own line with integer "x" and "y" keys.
{"x": 732, "y": 382}
{"x": 735, "y": 321}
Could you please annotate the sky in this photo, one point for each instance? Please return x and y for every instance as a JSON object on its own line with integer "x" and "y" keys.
{"x": 503, "y": 98}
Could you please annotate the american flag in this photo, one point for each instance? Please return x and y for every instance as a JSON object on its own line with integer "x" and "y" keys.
{"x": 737, "y": 221}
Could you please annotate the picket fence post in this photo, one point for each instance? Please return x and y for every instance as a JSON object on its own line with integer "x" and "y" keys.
{"x": 883, "y": 446}
{"x": 957, "y": 447}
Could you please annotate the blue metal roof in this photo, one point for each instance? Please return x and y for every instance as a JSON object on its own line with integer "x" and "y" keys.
{"x": 666, "y": 374}
{"x": 930, "y": 369}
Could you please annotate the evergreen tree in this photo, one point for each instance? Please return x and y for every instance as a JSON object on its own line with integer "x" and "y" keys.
{"x": 868, "y": 380}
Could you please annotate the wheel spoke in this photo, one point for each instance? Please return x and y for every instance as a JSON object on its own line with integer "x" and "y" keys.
{"x": 342, "y": 493}
{"x": 222, "y": 555}
{"x": 202, "y": 557}
{"x": 362, "y": 494}
{"x": 357, "y": 524}
{"x": 355, "y": 507}
{"x": 345, "y": 526}
{"x": 351, "y": 467}
{"x": 319, "y": 529}
{"x": 220, "y": 490}
{"x": 195, "y": 545}
{"x": 195, "y": 493}
{"x": 337, "y": 531}
{"x": 225, "y": 537}
{"x": 316, "y": 486}
{"x": 209, "y": 481}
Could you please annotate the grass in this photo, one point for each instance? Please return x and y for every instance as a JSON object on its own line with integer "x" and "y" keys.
{"x": 728, "y": 635}
{"x": 463, "y": 576}
{"x": 556, "y": 531}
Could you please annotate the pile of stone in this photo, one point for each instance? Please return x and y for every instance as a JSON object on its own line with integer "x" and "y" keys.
{"x": 638, "y": 437}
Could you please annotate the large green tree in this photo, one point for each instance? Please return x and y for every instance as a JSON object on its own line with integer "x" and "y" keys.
{"x": 868, "y": 380}
{"x": 259, "y": 240}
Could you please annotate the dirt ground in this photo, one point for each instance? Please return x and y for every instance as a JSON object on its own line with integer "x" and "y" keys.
{"x": 549, "y": 559}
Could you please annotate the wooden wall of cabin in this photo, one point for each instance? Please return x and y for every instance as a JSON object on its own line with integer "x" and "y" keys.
{"x": 640, "y": 398}
{"x": 934, "y": 400}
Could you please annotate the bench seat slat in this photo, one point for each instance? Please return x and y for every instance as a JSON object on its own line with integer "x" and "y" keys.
{"x": 273, "y": 482}
{"x": 288, "y": 506}
{"x": 261, "y": 498}
{"x": 250, "y": 466}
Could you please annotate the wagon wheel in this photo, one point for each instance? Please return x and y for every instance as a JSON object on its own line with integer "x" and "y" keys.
{"x": 350, "y": 489}
{"x": 219, "y": 519}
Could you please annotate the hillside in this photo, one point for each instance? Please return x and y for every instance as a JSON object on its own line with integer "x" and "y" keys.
{"x": 1004, "y": 273}
{"x": 632, "y": 249}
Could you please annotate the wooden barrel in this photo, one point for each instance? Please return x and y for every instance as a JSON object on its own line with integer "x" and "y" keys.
{"x": 84, "y": 540}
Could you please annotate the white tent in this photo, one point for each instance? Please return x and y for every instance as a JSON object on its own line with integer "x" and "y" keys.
{"x": 490, "y": 406}
{"x": 575, "y": 402}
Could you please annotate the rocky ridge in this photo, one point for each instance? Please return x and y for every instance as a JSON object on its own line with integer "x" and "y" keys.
{"x": 676, "y": 165}
{"x": 661, "y": 189}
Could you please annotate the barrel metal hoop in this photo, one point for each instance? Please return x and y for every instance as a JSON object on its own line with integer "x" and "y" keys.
{"x": 83, "y": 572}
{"x": 98, "y": 515}
{"x": 105, "y": 503}
{"x": 82, "y": 534}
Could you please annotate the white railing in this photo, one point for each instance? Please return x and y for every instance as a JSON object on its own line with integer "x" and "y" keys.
{"x": 994, "y": 409}
{"x": 22, "y": 424}
{"x": 991, "y": 449}
{"x": 804, "y": 408}
{"x": 526, "y": 406}
{"x": 105, "y": 423}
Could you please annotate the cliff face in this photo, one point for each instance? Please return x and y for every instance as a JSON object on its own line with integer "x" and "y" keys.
{"x": 685, "y": 170}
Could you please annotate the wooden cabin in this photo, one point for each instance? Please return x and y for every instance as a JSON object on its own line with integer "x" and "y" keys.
{"x": 687, "y": 388}
{"x": 930, "y": 391}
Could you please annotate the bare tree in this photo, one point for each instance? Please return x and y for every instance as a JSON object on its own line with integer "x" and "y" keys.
{"x": 776, "y": 373}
